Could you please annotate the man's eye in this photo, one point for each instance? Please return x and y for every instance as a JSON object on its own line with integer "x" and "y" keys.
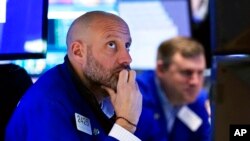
{"x": 186, "y": 73}
{"x": 128, "y": 46}
{"x": 112, "y": 45}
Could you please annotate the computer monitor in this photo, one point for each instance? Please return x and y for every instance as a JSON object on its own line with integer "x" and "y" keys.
{"x": 23, "y": 29}
{"x": 230, "y": 95}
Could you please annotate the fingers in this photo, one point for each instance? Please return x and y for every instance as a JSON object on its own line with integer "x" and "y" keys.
{"x": 127, "y": 99}
{"x": 126, "y": 76}
{"x": 123, "y": 77}
{"x": 132, "y": 76}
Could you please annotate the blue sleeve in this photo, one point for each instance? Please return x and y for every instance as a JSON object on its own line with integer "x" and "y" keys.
{"x": 46, "y": 121}
{"x": 40, "y": 122}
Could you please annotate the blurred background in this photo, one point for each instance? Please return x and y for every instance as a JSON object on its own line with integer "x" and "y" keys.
{"x": 150, "y": 22}
{"x": 33, "y": 33}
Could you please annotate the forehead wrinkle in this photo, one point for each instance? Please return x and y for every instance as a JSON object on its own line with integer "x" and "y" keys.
{"x": 116, "y": 37}
{"x": 112, "y": 25}
{"x": 115, "y": 28}
{"x": 112, "y": 28}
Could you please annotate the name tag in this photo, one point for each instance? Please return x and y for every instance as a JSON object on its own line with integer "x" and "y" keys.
{"x": 189, "y": 118}
{"x": 83, "y": 124}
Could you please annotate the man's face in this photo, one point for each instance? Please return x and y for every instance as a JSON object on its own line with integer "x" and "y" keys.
{"x": 184, "y": 78}
{"x": 107, "y": 54}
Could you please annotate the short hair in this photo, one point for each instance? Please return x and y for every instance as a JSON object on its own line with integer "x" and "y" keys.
{"x": 186, "y": 46}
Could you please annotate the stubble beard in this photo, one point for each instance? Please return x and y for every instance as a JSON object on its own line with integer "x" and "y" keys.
{"x": 98, "y": 74}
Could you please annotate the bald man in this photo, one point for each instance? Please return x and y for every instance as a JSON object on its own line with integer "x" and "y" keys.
{"x": 93, "y": 95}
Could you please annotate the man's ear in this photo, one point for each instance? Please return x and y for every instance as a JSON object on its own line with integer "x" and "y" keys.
{"x": 159, "y": 68}
{"x": 78, "y": 51}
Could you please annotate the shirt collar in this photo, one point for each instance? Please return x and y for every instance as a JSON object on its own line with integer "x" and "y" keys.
{"x": 107, "y": 107}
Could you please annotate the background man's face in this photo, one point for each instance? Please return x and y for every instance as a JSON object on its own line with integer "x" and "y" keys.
{"x": 184, "y": 78}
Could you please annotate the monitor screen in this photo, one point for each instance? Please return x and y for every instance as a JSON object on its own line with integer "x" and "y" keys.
{"x": 23, "y": 29}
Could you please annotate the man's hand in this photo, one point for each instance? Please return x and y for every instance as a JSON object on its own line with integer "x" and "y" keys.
{"x": 127, "y": 101}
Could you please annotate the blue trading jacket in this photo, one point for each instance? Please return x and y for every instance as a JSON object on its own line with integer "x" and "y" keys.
{"x": 47, "y": 113}
{"x": 180, "y": 132}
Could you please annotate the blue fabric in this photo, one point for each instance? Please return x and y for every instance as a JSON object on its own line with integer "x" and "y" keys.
{"x": 180, "y": 132}
{"x": 47, "y": 113}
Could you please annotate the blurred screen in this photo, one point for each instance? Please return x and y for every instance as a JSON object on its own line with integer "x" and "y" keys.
{"x": 22, "y": 29}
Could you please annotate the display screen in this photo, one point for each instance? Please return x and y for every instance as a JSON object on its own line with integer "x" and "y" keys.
{"x": 23, "y": 29}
